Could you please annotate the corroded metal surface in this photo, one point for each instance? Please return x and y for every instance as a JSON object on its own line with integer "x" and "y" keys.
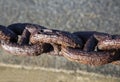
{"x": 91, "y": 58}
{"x": 93, "y": 48}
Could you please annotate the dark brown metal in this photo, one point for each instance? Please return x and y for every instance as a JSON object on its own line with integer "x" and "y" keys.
{"x": 90, "y": 44}
{"x": 7, "y": 35}
{"x": 24, "y": 50}
{"x": 91, "y": 58}
{"x": 24, "y": 39}
{"x": 87, "y": 47}
{"x": 57, "y": 37}
{"x": 22, "y": 46}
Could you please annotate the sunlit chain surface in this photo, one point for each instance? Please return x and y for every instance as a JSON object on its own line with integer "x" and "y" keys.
{"x": 86, "y": 47}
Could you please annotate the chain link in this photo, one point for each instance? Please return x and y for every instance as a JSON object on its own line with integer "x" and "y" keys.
{"x": 87, "y": 47}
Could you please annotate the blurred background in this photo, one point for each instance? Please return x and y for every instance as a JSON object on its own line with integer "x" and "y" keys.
{"x": 68, "y": 15}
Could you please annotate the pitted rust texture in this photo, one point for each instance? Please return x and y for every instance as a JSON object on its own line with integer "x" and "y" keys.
{"x": 91, "y": 58}
{"x": 87, "y": 47}
{"x": 22, "y": 46}
{"x": 107, "y": 44}
{"x": 6, "y": 34}
{"x": 25, "y": 50}
{"x": 56, "y": 37}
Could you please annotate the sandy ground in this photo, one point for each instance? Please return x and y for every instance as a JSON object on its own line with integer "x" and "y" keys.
{"x": 8, "y": 74}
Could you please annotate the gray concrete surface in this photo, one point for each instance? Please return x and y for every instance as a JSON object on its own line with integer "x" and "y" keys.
{"x": 69, "y": 15}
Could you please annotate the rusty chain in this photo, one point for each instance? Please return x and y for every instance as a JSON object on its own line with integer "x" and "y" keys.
{"x": 87, "y": 47}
